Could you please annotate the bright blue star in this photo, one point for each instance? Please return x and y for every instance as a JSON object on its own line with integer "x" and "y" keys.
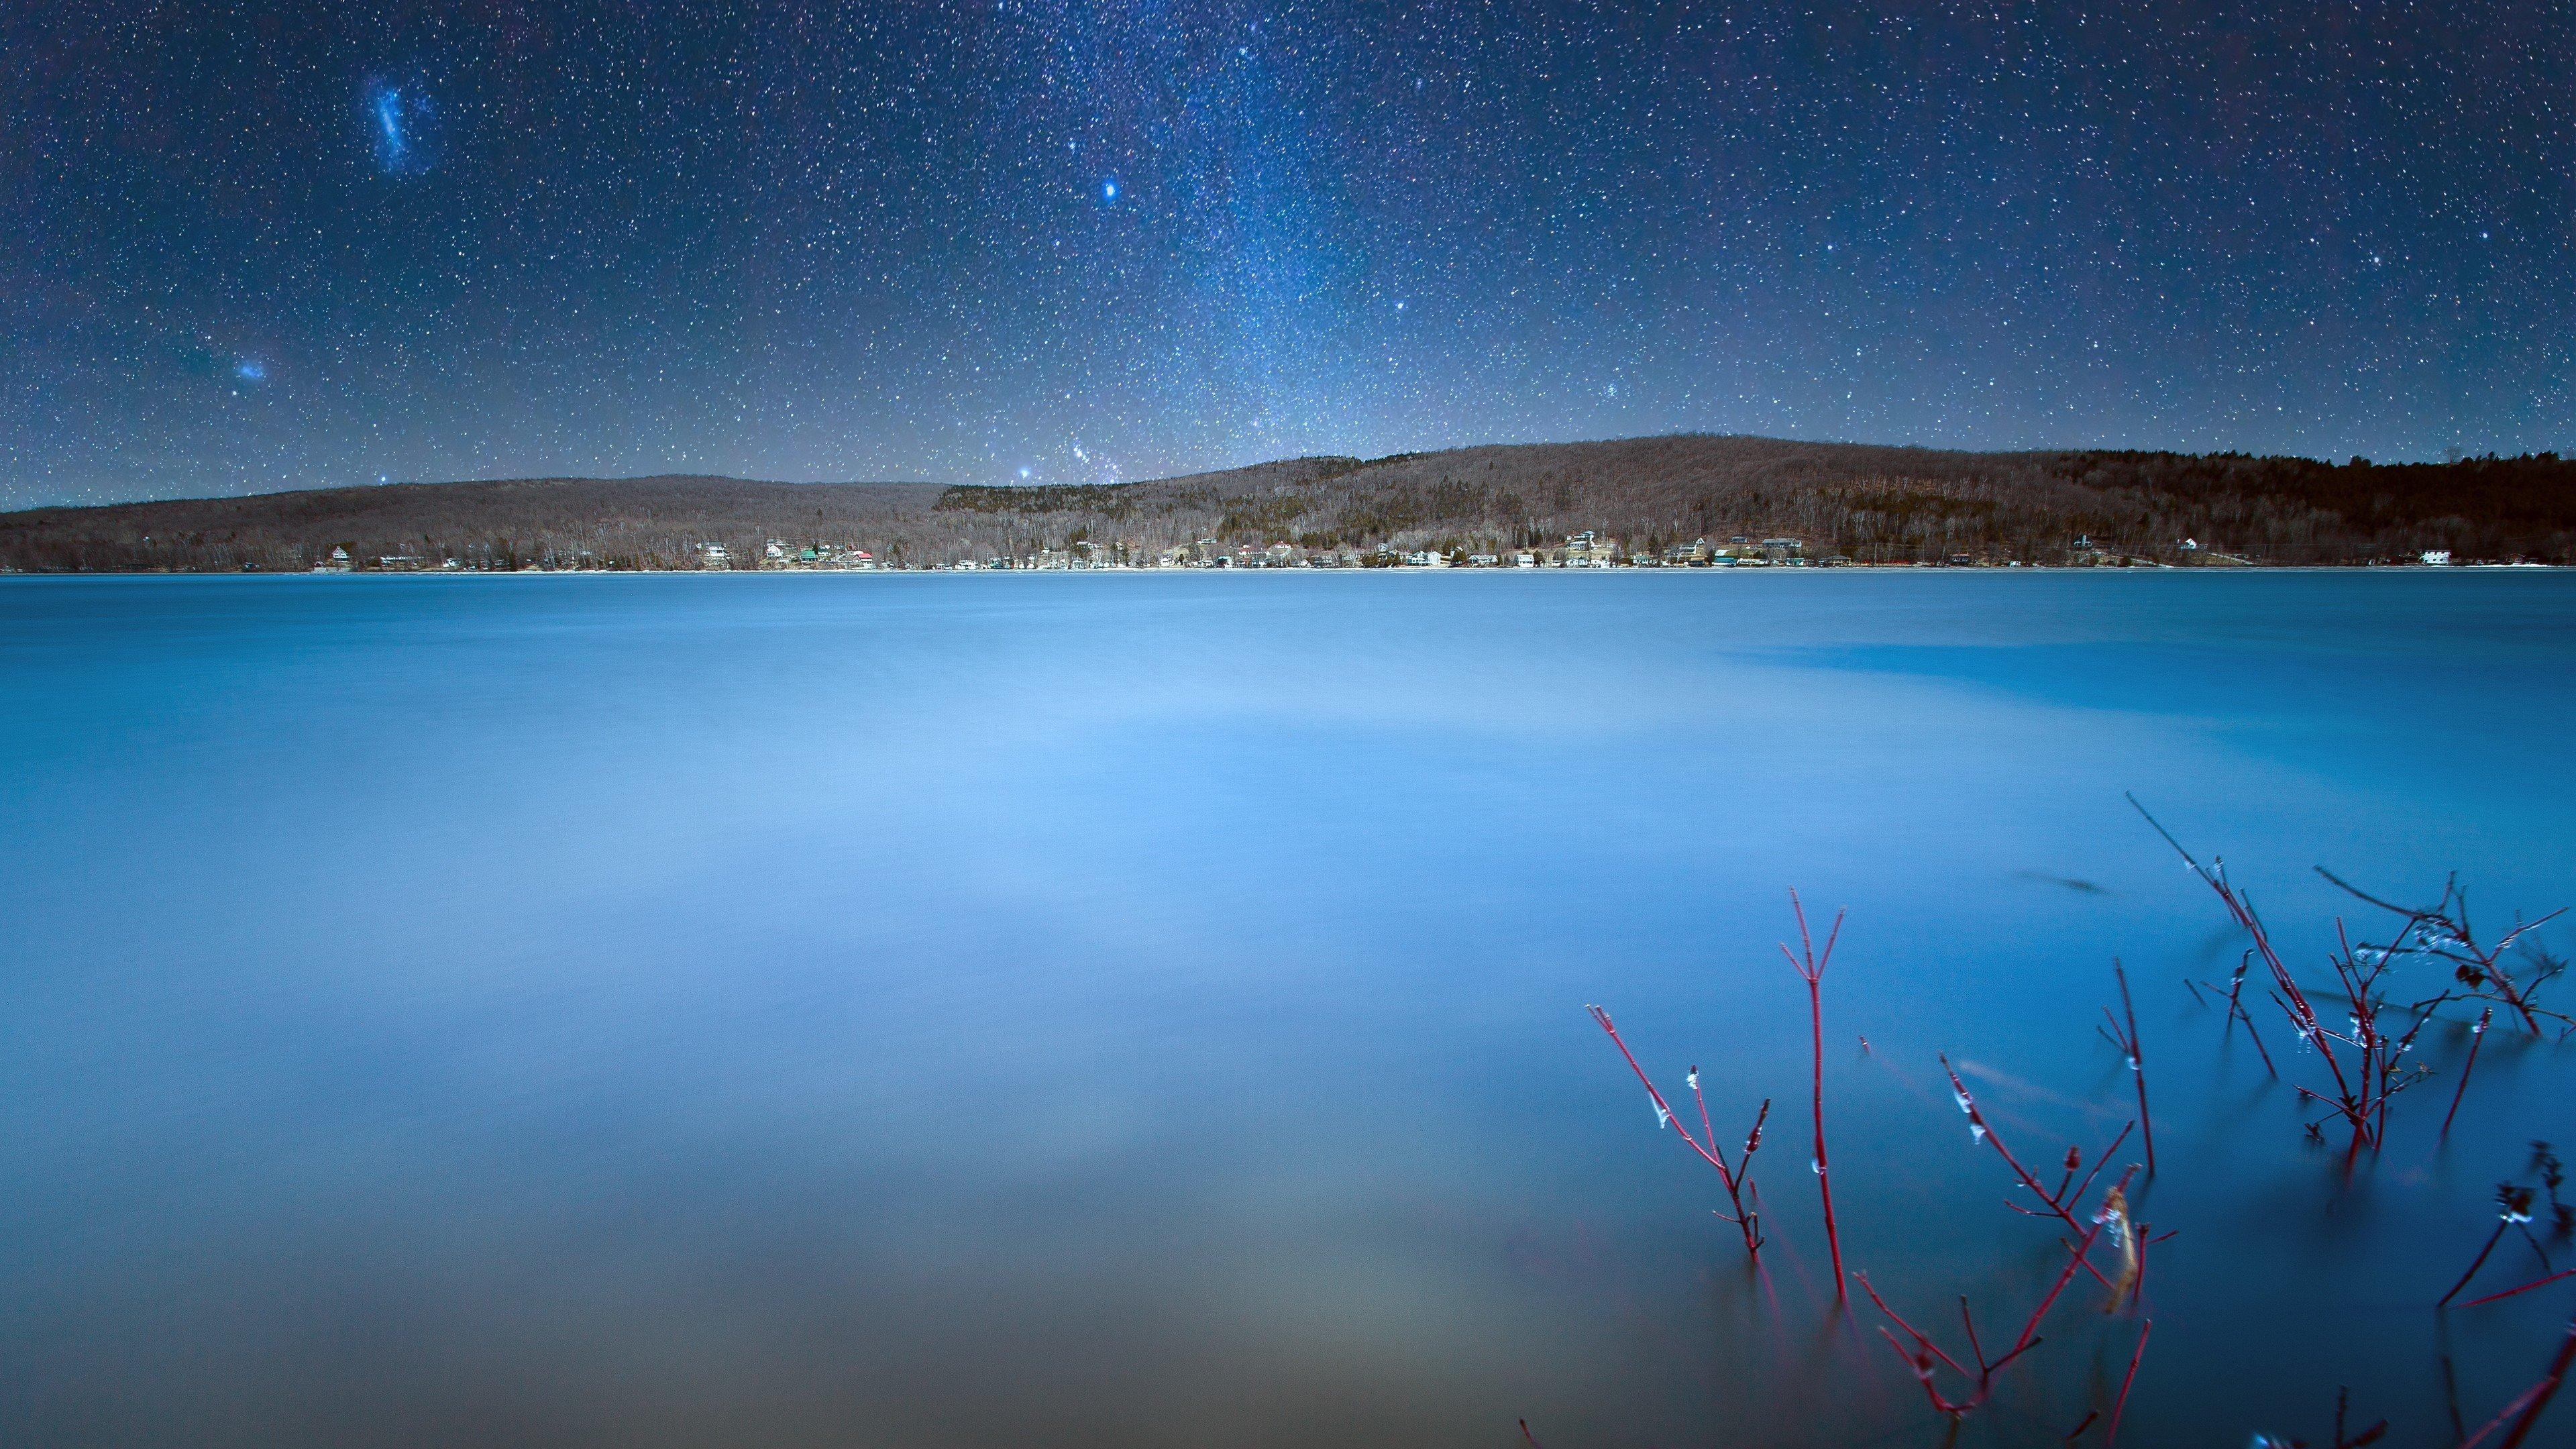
{"x": 1109, "y": 189}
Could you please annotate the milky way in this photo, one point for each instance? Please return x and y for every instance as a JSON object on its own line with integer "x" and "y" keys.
{"x": 1075, "y": 242}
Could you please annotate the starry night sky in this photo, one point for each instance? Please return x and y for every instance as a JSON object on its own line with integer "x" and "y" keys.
{"x": 242, "y": 249}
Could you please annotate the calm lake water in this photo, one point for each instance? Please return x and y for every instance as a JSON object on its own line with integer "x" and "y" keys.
{"x": 1148, "y": 1010}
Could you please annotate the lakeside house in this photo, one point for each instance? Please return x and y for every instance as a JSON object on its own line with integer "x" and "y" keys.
{"x": 778, "y": 555}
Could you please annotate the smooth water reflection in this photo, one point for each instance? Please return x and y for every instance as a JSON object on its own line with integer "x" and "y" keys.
{"x": 1147, "y": 1010}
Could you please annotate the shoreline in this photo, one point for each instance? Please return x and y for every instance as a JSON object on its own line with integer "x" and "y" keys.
{"x": 1404, "y": 569}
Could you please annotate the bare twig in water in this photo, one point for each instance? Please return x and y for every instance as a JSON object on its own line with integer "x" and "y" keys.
{"x": 2474, "y": 1264}
{"x": 2366, "y": 1060}
{"x": 1735, "y": 1178}
{"x": 2125, "y": 1037}
{"x": 2342, "y": 1438}
{"x": 1810, "y": 967}
{"x": 2111, "y": 1436}
{"x": 2525, "y": 1408}
{"x": 2343, "y": 1406}
{"x": 2236, "y": 1012}
{"x": 2442, "y": 930}
{"x": 2513, "y": 1210}
{"x": 2477, "y": 1035}
{"x": 2061, "y": 1203}
{"x": 2524, "y": 1288}
{"x": 1928, "y": 1355}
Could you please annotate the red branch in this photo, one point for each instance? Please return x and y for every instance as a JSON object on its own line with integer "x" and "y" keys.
{"x": 2236, "y": 1012}
{"x": 2475, "y": 1263}
{"x": 1811, "y": 969}
{"x": 1735, "y": 1180}
{"x": 2355, "y": 1107}
{"x": 2127, "y": 1040}
{"x": 2477, "y": 1036}
{"x": 2532, "y": 1401}
{"x": 2442, "y": 930}
{"x": 2525, "y": 1288}
{"x": 2058, "y": 1204}
{"x": 1927, "y": 1354}
{"x": 2111, "y": 1436}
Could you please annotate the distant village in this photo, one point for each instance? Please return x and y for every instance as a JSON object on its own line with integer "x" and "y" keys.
{"x": 1585, "y": 550}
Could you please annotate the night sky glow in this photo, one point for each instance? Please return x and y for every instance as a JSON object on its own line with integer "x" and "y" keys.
{"x": 1077, "y": 242}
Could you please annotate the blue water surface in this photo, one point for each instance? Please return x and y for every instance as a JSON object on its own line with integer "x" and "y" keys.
{"x": 1148, "y": 1009}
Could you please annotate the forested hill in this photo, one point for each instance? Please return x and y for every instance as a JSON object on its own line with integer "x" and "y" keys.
{"x": 1870, "y": 504}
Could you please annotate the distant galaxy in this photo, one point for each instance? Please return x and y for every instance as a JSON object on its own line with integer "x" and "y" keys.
{"x": 1087, "y": 241}
{"x": 399, "y": 120}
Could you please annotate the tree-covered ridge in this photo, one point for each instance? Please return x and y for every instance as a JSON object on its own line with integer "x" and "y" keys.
{"x": 1868, "y": 504}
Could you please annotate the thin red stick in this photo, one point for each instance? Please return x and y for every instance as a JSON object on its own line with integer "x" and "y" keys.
{"x": 1812, "y": 971}
{"x": 2111, "y": 1436}
{"x": 2080, "y": 1253}
{"x": 2294, "y": 1000}
{"x": 1663, "y": 1110}
{"x": 2474, "y": 1264}
{"x": 2138, "y": 1285}
{"x": 1927, "y": 1353}
{"x": 2540, "y": 1393}
{"x": 2137, "y": 1067}
{"x": 2525, "y": 1288}
{"x": 1529, "y": 1438}
{"x": 2099, "y": 1162}
{"x": 1920, "y": 1365}
{"x": 1709, "y": 1152}
{"x": 2477, "y": 1038}
{"x": 1912, "y": 1332}
{"x": 1985, "y": 1132}
{"x": 2236, "y": 1012}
